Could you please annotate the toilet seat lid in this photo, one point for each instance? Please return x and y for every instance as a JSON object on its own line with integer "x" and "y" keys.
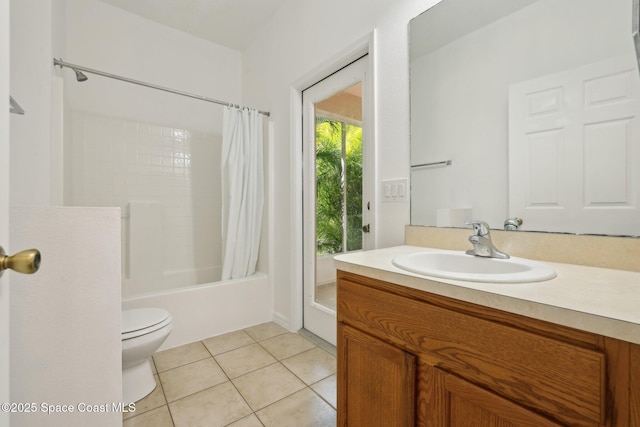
{"x": 142, "y": 318}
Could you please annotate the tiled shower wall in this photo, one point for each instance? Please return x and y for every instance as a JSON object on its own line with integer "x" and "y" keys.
{"x": 174, "y": 172}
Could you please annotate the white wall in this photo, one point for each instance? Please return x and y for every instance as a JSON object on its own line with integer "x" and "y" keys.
{"x": 460, "y": 97}
{"x": 302, "y": 38}
{"x": 108, "y": 39}
{"x": 31, "y": 53}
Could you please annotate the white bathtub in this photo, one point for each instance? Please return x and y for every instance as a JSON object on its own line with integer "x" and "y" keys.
{"x": 207, "y": 310}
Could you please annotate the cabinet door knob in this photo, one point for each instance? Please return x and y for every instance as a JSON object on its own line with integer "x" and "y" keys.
{"x": 27, "y": 262}
{"x": 366, "y": 228}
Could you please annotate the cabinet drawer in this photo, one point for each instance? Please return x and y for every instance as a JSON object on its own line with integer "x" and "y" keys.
{"x": 559, "y": 379}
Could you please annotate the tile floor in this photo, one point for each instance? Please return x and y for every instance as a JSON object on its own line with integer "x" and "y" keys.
{"x": 259, "y": 376}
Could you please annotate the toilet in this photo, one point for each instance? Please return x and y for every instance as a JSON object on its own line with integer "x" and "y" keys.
{"x": 143, "y": 332}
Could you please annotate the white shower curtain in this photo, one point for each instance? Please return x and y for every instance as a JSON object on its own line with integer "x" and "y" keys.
{"x": 242, "y": 191}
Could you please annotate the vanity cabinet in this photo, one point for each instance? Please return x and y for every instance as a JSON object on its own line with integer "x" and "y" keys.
{"x": 410, "y": 358}
{"x": 385, "y": 376}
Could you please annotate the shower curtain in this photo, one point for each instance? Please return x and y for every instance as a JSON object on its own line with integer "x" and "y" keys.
{"x": 242, "y": 191}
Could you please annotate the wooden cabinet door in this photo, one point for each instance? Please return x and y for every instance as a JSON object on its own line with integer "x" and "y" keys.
{"x": 376, "y": 382}
{"x": 466, "y": 404}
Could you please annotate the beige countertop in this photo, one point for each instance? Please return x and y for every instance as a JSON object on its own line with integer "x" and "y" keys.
{"x": 598, "y": 300}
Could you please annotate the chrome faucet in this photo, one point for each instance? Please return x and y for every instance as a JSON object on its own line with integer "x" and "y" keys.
{"x": 481, "y": 241}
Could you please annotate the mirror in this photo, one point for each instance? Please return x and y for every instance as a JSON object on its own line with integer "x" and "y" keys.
{"x": 529, "y": 109}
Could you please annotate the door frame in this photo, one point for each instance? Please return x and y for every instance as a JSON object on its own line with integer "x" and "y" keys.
{"x": 4, "y": 206}
{"x": 365, "y": 45}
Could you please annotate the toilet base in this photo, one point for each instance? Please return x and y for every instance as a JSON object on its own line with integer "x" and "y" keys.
{"x": 137, "y": 382}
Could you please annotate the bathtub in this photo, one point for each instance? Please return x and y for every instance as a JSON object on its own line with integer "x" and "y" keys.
{"x": 207, "y": 310}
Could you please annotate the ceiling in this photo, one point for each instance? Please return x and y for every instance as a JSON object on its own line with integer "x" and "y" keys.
{"x": 231, "y": 23}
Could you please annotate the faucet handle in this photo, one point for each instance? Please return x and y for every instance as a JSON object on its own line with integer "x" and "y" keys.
{"x": 480, "y": 228}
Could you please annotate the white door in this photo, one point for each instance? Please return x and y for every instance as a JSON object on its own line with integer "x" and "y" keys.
{"x": 336, "y": 211}
{"x": 4, "y": 206}
{"x": 65, "y": 346}
{"x": 574, "y": 150}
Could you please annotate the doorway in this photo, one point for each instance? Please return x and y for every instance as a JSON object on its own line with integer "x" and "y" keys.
{"x": 336, "y": 191}
{"x": 4, "y": 206}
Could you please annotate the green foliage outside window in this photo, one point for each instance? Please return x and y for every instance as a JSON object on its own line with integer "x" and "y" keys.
{"x": 329, "y": 186}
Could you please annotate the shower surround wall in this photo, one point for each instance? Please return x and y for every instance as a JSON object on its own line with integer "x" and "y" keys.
{"x": 155, "y": 155}
{"x": 166, "y": 181}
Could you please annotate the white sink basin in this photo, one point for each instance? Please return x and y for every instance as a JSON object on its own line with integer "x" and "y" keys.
{"x": 460, "y": 266}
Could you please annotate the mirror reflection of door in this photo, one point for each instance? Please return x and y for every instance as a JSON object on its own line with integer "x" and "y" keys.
{"x": 335, "y": 211}
{"x": 459, "y": 86}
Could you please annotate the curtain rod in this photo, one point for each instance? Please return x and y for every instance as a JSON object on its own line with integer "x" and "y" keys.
{"x": 77, "y": 68}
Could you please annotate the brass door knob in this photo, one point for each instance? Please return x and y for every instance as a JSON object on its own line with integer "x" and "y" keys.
{"x": 27, "y": 262}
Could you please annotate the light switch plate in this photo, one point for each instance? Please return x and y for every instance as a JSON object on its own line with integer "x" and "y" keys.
{"x": 395, "y": 190}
